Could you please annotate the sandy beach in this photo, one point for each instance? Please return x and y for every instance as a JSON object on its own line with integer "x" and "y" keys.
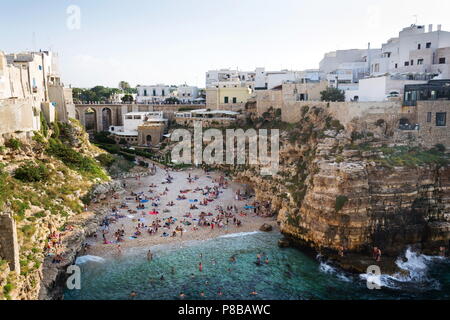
{"x": 130, "y": 217}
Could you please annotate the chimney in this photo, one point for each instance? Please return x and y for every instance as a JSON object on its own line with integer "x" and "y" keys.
{"x": 439, "y": 27}
{"x": 430, "y": 28}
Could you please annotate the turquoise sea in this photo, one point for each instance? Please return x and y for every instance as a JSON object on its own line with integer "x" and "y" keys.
{"x": 290, "y": 274}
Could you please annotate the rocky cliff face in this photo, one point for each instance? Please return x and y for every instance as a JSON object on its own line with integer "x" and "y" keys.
{"x": 346, "y": 189}
{"x": 57, "y": 168}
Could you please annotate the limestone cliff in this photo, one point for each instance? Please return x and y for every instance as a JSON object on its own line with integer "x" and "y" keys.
{"x": 42, "y": 181}
{"x": 343, "y": 188}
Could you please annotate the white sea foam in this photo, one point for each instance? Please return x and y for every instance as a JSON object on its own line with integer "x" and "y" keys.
{"x": 86, "y": 259}
{"x": 240, "y": 234}
{"x": 415, "y": 267}
{"x": 326, "y": 268}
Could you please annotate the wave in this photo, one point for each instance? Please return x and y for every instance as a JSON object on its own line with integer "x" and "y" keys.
{"x": 240, "y": 234}
{"x": 415, "y": 268}
{"x": 326, "y": 268}
{"x": 86, "y": 259}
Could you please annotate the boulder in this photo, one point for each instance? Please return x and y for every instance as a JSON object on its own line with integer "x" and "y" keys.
{"x": 266, "y": 227}
{"x": 284, "y": 243}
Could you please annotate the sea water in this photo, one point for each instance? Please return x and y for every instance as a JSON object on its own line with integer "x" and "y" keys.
{"x": 290, "y": 274}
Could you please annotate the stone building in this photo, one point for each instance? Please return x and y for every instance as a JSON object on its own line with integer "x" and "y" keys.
{"x": 208, "y": 118}
{"x": 288, "y": 92}
{"x": 140, "y": 128}
{"x": 30, "y": 84}
{"x": 230, "y": 95}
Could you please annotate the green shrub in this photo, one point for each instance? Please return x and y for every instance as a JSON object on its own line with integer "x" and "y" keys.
{"x": 44, "y": 125}
{"x": 14, "y": 144}
{"x": 106, "y": 159}
{"x": 30, "y": 172}
{"x": 75, "y": 160}
{"x": 104, "y": 137}
{"x": 340, "y": 202}
{"x": 440, "y": 147}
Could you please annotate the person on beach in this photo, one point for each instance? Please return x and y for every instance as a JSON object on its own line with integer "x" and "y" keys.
{"x": 149, "y": 255}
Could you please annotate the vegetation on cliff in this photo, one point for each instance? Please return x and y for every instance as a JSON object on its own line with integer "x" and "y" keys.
{"x": 41, "y": 184}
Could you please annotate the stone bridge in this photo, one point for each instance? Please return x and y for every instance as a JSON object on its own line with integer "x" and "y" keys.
{"x": 99, "y": 117}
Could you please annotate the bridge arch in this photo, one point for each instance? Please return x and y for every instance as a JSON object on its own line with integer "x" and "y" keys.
{"x": 90, "y": 120}
{"x": 106, "y": 118}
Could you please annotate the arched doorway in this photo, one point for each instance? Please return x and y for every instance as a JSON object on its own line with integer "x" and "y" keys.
{"x": 90, "y": 120}
{"x": 148, "y": 140}
{"x": 106, "y": 118}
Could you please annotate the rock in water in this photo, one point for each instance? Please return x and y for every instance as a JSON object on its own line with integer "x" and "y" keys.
{"x": 284, "y": 243}
{"x": 265, "y": 227}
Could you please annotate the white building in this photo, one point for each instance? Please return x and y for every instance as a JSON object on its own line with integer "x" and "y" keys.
{"x": 423, "y": 55}
{"x": 154, "y": 93}
{"x": 187, "y": 94}
{"x": 260, "y": 78}
{"x": 380, "y": 88}
{"x": 133, "y": 120}
{"x": 32, "y": 80}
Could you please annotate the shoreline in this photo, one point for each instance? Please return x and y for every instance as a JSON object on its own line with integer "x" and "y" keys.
{"x": 129, "y": 217}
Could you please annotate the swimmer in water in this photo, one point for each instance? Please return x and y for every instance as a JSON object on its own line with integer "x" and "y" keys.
{"x": 182, "y": 295}
{"x": 253, "y": 293}
{"x": 202, "y": 294}
{"x": 133, "y": 294}
{"x": 220, "y": 293}
{"x": 200, "y": 267}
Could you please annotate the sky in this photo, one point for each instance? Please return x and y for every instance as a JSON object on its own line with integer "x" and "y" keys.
{"x": 176, "y": 41}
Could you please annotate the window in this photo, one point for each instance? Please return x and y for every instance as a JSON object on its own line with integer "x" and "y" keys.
{"x": 406, "y": 63}
{"x": 441, "y": 60}
{"x": 234, "y": 100}
{"x": 225, "y": 100}
{"x": 419, "y": 46}
{"x": 154, "y": 92}
{"x": 420, "y": 62}
{"x": 396, "y": 65}
{"x": 145, "y": 92}
{"x": 428, "y": 45}
{"x": 412, "y": 62}
{"x": 163, "y": 93}
{"x": 429, "y": 116}
{"x": 441, "y": 119}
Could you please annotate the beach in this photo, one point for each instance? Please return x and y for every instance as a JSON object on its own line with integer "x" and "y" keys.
{"x": 154, "y": 189}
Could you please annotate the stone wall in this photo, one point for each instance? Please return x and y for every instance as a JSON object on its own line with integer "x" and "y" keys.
{"x": 345, "y": 112}
{"x": 266, "y": 99}
{"x": 9, "y": 248}
{"x": 18, "y": 118}
{"x": 429, "y": 133}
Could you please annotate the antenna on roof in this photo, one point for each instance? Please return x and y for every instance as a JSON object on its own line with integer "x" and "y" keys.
{"x": 416, "y": 17}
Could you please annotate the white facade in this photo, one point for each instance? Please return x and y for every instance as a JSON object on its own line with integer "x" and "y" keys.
{"x": 34, "y": 76}
{"x": 154, "y": 93}
{"x": 333, "y": 61}
{"x": 415, "y": 51}
{"x": 380, "y": 88}
{"x": 260, "y": 78}
{"x": 132, "y": 120}
{"x": 187, "y": 94}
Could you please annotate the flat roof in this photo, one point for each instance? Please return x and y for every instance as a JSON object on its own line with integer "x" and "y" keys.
{"x": 205, "y": 111}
